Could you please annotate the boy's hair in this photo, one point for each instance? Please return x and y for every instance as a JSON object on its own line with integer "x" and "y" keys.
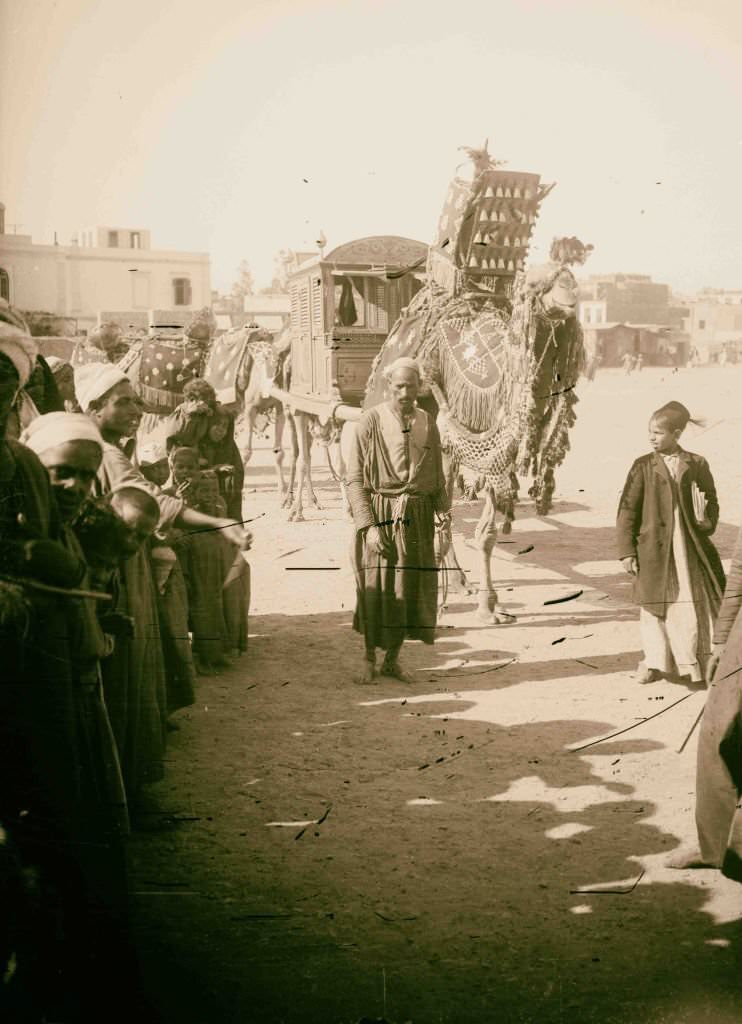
{"x": 199, "y": 389}
{"x": 675, "y": 416}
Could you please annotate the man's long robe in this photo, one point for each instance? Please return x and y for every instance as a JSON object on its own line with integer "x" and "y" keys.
{"x": 396, "y": 482}
{"x": 719, "y": 763}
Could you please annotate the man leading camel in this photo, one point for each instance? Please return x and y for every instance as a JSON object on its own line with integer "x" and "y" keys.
{"x": 396, "y": 489}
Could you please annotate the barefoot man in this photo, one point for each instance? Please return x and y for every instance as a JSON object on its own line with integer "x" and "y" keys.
{"x": 396, "y": 489}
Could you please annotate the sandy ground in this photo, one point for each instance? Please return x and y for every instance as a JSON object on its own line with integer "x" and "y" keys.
{"x": 413, "y": 853}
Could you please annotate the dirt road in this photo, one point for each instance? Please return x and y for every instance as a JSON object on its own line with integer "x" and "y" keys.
{"x": 413, "y": 852}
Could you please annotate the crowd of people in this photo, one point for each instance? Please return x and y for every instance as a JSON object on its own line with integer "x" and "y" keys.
{"x": 108, "y": 565}
{"x": 123, "y": 576}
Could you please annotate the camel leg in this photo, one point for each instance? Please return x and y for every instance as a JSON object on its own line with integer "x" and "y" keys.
{"x": 288, "y": 497}
{"x": 296, "y": 512}
{"x": 455, "y": 578}
{"x": 311, "y": 496}
{"x": 250, "y": 415}
{"x": 338, "y": 473}
{"x": 278, "y": 429}
{"x": 485, "y": 536}
{"x": 342, "y": 470}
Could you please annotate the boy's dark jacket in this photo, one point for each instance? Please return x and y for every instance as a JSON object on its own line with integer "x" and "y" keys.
{"x": 644, "y": 524}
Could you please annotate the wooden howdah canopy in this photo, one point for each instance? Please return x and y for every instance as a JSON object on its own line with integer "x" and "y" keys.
{"x": 343, "y": 306}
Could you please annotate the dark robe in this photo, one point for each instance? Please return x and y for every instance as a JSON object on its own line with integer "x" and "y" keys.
{"x": 644, "y": 526}
{"x": 719, "y": 755}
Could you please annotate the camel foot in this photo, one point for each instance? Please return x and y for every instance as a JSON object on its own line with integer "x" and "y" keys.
{"x": 296, "y": 515}
{"x": 502, "y": 618}
{"x": 394, "y": 670}
{"x": 288, "y": 500}
{"x": 315, "y": 502}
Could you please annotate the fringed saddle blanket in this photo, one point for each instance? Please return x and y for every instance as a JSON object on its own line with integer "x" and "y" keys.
{"x": 224, "y": 363}
{"x": 165, "y": 369}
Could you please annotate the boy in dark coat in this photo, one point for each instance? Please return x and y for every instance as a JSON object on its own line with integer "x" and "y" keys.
{"x": 667, "y": 513}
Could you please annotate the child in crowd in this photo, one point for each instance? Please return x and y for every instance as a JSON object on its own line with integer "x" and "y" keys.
{"x": 235, "y": 592}
{"x": 201, "y": 559}
{"x": 172, "y": 598}
{"x": 219, "y": 452}
{"x": 667, "y": 513}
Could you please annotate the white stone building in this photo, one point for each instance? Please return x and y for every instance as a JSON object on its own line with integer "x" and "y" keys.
{"x": 104, "y": 268}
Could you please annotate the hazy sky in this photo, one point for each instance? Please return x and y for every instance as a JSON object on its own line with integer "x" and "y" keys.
{"x": 201, "y": 120}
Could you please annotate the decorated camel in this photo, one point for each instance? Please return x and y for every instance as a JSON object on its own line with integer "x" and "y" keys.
{"x": 500, "y": 347}
{"x": 237, "y": 366}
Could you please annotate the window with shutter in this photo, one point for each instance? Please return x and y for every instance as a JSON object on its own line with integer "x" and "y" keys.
{"x": 4, "y": 285}
{"x": 294, "y": 293}
{"x": 181, "y": 291}
{"x": 317, "y": 317}
{"x": 304, "y": 307}
{"x": 394, "y": 301}
{"x": 377, "y": 312}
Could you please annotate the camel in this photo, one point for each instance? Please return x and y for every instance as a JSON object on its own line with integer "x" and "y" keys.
{"x": 266, "y": 357}
{"x": 501, "y": 350}
{"x": 265, "y": 360}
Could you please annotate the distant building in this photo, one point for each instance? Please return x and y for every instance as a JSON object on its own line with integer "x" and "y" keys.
{"x": 627, "y": 298}
{"x": 658, "y": 346}
{"x": 632, "y": 313}
{"x": 104, "y": 268}
{"x": 270, "y": 310}
{"x": 714, "y": 325}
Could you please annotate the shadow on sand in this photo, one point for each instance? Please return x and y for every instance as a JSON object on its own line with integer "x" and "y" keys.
{"x": 456, "y": 910}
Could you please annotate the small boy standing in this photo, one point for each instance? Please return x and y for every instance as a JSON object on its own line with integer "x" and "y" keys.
{"x": 666, "y": 516}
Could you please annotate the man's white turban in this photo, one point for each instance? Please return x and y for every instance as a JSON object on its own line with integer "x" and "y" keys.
{"x": 20, "y": 349}
{"x": 55, "y": 428}
{"x": 403, "y": 363}
{"x": 93, "y": 380}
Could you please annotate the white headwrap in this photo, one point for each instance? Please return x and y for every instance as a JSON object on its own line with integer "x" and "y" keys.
{"x": 403, "y": 363}
{"x": 57, "y": 428}
{"x": 20, "y": 349}
{"x": 93, "y": 380}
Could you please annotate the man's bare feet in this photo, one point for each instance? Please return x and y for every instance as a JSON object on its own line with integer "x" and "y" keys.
{"x": 366, "y": 674}
{"x": 646, "y": 675}
{"x": 685, "y": 859}
{"x": 393, "y": 670}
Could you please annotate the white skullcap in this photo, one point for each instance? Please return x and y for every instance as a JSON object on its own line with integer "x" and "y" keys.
{"x": 93, "y": 380}
{"x": 403, "y": 363}
{"x": 20, "y": 349}
{"x": 55, "y": 428}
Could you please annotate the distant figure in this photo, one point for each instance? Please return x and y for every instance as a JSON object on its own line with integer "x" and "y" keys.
{"x": 667, "y": 513}
{"x": 638, "y": 363}
{"x": 628, "y": 362}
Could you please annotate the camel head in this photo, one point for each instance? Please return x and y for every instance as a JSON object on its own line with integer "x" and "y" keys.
{"x": 553, "y": 285}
